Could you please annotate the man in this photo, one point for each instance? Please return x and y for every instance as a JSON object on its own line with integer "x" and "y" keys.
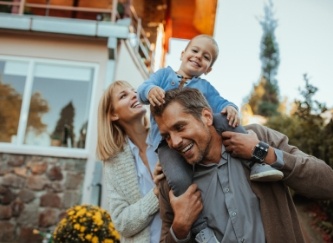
{"x": 237, "y": 209}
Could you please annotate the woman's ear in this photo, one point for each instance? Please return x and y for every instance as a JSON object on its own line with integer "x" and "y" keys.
{"x": 114, "y": 117}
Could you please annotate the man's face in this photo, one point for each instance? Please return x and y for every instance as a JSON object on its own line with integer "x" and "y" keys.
{"x": 188, "y": 136}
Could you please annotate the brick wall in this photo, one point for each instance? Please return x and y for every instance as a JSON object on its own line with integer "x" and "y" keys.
{"x": 35, "y": 192}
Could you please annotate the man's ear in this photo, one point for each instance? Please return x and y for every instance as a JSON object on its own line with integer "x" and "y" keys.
{"x": 208, "y": 71}
{"x": 207, "y": 116}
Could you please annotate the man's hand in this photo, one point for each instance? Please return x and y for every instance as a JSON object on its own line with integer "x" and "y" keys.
{"x": 158, "y": 175}
{"x": 156, "y": 96}
{"x": 187, "y": 208}
{"x": 239, "y": 144}
{"x": 232, "y": 115}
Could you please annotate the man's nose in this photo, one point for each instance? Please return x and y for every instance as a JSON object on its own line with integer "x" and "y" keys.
{"x": 175, "y": 141}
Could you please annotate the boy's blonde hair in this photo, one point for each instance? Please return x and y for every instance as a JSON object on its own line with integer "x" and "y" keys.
{"x": 216, "y": 47}
{"x": 110, "y": 135}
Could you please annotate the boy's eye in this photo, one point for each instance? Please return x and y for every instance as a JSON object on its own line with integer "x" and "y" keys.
{"x": 207, "y": 57}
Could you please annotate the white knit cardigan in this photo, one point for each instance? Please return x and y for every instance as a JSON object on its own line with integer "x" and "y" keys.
{"x": 131, "y": 213}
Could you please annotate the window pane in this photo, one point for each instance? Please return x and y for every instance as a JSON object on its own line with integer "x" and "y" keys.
{"x": 12, "y": 84}
{"x": 59, "y": 105}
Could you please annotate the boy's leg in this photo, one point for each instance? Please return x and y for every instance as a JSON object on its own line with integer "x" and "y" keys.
{"x": 177, "y": 172}
{"x": 221, "y": 124}
{"x": 259, "y": 172}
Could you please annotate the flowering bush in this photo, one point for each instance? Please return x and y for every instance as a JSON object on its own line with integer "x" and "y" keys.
{"x": 86, "y": 223}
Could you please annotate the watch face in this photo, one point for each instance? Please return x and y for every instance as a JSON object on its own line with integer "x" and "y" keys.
{"x": 260, "y": 153}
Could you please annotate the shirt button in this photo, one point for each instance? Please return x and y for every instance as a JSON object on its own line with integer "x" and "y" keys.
{"x": 242, "y": 240}
{"x": 226, "y": 189}
{"x": 233, "y": 214}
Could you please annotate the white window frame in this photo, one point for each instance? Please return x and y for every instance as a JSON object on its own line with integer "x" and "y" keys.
{"x": 20, "y": 147}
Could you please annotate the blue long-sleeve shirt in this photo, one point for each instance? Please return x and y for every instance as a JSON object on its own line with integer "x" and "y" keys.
{"x": 166, "y": 78}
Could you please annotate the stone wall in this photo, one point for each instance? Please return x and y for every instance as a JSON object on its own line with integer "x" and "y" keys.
{"x": 35, "y": 192}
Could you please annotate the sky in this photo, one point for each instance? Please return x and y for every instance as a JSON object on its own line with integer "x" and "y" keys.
{"x": 304, "y": 35}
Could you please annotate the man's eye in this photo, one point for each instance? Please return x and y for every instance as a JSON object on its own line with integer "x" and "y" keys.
{"x": 166, "y": 137}
{"x": 180, "y": 127}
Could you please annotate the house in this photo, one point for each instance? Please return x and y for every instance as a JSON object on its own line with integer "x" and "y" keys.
{"x": 56, "y": 58}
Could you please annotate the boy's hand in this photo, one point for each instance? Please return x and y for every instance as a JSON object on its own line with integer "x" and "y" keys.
{"x": 156, "y": 96}
{"x": 232, "y": 115}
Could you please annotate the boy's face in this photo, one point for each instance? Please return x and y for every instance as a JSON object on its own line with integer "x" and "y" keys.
{"x": 198, "y": 57}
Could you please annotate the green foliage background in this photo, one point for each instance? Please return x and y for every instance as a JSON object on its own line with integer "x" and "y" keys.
{"x": 309, "y": 131}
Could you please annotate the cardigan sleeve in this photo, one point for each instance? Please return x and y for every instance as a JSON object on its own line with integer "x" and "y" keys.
{"x": 305, "y": 174}
{"x": 130, "y": 212}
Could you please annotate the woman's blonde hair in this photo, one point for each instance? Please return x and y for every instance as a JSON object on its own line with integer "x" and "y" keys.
{"x": 110, "y": 135}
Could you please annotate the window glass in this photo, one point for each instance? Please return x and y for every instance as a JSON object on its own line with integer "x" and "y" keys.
{"x": 44, "y": 103}
{"x": 59, "y": 105}
{"x": 13, "y": 75}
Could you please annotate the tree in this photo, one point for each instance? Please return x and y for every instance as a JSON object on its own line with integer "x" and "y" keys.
{"x": 10, "y": 110}
{"x": 264, "y": 98}
{"x": 307, "y": 130}
{"x": 306, "y": 126}
{"x": 10, "y": 107}
{"x": 38, "y": 106}
{"x": 65, "y": 126}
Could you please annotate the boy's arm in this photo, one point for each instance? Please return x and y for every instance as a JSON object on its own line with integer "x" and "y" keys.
{"x": 215, "y": 100}
{"x": 154, "y": 80}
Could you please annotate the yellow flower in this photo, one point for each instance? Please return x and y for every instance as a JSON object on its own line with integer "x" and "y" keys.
{"x": 77, "y": 207}
{"x": 94, "y": 239}
{"x": 81, "y": 212}
{"x": 88, "y": 236}
{"x": 108, "y": 241}
{"x": 86, "y": 223}
{"x": 77, "y": 226}
{"x": 83, "y": 228}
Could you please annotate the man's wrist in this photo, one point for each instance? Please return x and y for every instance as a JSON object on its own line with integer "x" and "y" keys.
{"x": 178, "y": 239}
{"x": 181, "y": 231}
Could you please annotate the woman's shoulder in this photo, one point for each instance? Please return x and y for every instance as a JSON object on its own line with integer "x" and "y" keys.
{"x": 120, "y": 159}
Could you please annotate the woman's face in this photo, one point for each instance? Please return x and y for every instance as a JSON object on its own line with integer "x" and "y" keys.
{"x": 126, "y": 106}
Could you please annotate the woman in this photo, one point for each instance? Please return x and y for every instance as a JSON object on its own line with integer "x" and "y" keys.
{"x": 128, "y": 163}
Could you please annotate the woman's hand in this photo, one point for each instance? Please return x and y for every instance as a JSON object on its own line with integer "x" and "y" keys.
{"x": 158, "y": 175}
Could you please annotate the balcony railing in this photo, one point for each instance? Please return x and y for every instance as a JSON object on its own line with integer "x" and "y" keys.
{"x": 101, "y": 10}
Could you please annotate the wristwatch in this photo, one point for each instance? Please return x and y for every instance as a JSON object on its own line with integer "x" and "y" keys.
{"x": 260, "y": 152}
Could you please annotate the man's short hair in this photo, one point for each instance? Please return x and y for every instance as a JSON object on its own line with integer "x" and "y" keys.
{"x": 191, "y": 99}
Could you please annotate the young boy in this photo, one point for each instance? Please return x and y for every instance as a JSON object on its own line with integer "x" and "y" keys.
{"x": 197, "y": 59}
